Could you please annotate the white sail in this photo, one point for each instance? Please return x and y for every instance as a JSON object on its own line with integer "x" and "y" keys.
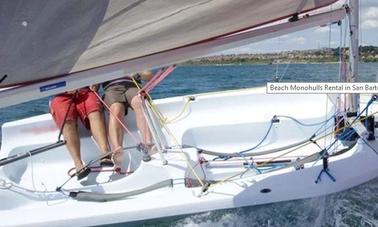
{"x": 48, "y": 39}
{"x": 96, "y": 75}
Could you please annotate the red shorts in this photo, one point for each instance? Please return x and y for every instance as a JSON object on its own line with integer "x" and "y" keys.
{"x": 83, "y": 103}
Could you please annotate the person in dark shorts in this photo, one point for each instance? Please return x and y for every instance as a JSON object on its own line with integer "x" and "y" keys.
{"x": 81, "y": 103}
{"x": 119, "y": 95}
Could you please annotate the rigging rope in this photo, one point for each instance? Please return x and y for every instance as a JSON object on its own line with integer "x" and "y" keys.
{"x": 181, "y": 151}
{"x": 89, "y": 165}
{"x": 32, "y": 170}
{"x": 119, "y": 121}
{"x": 184, "y": 109}
{"x": 275, "y": 117}
{"x": 325, "y": 116}
{"x": 324, "y": 136}
{"x": 278, "y": 79}
{"x": 97, "y": 169}
{"x": 157, "y": 79}
{"x": 160, "y": 116}
{"x": 4, "y": 185}
{"x": 274, "y": 158}
{"x": 66, "y": 115}
{"x": 348, "y": 135}
{"x": 261, "y": 141}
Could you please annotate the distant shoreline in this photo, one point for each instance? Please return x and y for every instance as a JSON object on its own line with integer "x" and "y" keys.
{"x": 258, "y": 63}
{"x": 368, "y": 54}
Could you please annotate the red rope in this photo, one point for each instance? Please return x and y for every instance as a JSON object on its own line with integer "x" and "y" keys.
{"x": 98, "y": 169}
{"x": 119, "y": 121}
{"x": 159, "y": 76}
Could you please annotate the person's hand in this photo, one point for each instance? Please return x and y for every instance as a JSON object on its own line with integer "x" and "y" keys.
{"x": 146, "y": 75}
{"x": 94, "y": 87}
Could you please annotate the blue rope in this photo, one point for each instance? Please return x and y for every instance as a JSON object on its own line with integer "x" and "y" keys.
{"x": 250, "y": 165}
{"x": 350, "y": 133}
{"x": 373, "y": 98}
{"x": 304, "y": 124}
{"x": 271, "y": 124}
{"x": 261, "y": 141}
{"x": 275, "y": 117}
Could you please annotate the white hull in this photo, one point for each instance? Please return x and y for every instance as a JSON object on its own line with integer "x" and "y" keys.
{"x": 223, "y": 122}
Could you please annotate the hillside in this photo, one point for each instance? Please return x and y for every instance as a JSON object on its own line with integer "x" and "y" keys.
{"x": 367, "y": 54}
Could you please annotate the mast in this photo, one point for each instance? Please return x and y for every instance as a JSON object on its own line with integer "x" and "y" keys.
{"x": 353, "y": 51}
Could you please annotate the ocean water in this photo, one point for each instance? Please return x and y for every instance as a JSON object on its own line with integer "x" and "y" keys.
{"x": 355, "y": 207}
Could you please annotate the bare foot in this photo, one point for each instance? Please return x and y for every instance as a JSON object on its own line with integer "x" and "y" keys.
{"x": 152, "y": 149}
{"x": 117, "y": 159}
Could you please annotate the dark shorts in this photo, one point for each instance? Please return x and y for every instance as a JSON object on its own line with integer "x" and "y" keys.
{"x": 122, "y": 93}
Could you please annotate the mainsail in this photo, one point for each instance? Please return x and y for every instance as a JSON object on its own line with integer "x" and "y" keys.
{"x": 44, "y": 39}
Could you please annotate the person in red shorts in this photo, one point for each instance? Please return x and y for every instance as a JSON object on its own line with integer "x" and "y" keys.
{"x": 83, "y": 104}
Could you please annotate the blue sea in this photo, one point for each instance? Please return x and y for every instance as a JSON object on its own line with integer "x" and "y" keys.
{"x": 355, "y": 207}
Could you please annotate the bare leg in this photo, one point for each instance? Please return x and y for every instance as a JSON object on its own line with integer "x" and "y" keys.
{"x": 71, "y": 135}
{"x": 136, "y": 104}
{"x": 98, "y": 130}
{"x": 115, "y": 128}
{"x": 116, "y": 133}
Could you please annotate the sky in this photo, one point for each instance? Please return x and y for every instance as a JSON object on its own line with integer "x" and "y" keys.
{"x": 314, "y": 38}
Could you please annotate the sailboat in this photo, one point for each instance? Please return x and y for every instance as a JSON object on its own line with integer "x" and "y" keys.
{"x": 213, "y": 151}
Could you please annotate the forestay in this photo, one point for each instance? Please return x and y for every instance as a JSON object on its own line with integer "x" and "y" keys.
{"x": 44, "y": 39}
